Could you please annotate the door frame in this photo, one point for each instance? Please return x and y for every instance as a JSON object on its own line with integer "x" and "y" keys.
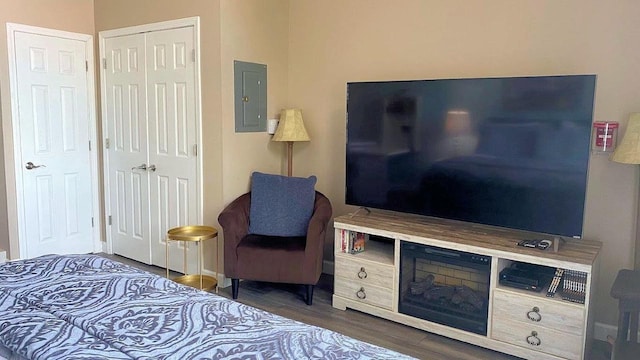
{"x": 11, "y": 137}
{"x": 158, "y": 26}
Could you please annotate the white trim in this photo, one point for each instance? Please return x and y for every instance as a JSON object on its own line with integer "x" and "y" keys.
{"x": 98, "y": 241}
{"x": 327, "y": 267}
{"x": 223, "y": 281}
{"x": 11, "y": 132}
{"x": 198, "y": 111}
{"x": 105, "y": 156}
{"x": 13, "y": 27}
{"x": 601, "y": 331}
{"x": 165, "y": 25}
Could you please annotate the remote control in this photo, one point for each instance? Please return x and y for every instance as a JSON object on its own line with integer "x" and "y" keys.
{"x": 530, "y": 243}
{"x": 541, "y": 244}
{"x": 544, "y": 244}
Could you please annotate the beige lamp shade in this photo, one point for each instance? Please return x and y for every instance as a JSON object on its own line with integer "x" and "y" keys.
{"x": 291, "y": 127}
{"x": 628, "y": 151}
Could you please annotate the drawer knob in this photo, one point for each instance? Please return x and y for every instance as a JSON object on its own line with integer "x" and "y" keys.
{"x": 533, "y": 339}
{"x": 534, "y": 314}
{"x": 362, "y": 274}
{"x": 361, "y": 294}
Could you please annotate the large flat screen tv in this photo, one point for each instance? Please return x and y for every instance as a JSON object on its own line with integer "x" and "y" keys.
{"x": 511, "y": 152}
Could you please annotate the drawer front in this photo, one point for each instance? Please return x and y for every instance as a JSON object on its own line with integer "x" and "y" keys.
{"x": 365, "y": 293}
{"x": 364, "y": 271}
{"x": 538, "y": 338}
{"x": 567, "y": 318}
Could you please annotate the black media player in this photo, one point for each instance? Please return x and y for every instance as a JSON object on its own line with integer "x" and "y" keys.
{"x": 527, "y": 277}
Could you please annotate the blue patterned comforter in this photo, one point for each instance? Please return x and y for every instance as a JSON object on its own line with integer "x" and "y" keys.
{"x": 89, "y": 307}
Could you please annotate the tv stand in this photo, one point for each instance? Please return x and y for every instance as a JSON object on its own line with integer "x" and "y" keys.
{"x": 519, "y": 322}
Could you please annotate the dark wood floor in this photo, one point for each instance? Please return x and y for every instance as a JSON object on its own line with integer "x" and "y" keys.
{"x": 287, "y": 301}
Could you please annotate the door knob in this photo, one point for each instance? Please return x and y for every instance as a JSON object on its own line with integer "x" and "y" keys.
{"x": 151, "y": 168}
{"x": 31, "y": 166}
{"x": 140, "y": 167}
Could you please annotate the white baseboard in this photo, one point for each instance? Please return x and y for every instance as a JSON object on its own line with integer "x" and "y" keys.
{"x": 223, "y": 282}
{"x": 3, "y": 256}
{"x": 601, "y": 331}
{"x": 327, "y": 267}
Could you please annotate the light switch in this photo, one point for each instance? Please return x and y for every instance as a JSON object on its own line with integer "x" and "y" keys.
{"x": 272, "y": 125}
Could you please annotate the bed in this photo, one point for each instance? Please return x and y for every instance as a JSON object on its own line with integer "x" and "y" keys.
{"x": 89, "y": 307}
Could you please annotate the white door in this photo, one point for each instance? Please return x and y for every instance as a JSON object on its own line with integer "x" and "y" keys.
{"x": 172, "y": 141}
{"x": 152, "y": 131}
{"x": 53, "y": 121}
{"x": 126, "y": 115}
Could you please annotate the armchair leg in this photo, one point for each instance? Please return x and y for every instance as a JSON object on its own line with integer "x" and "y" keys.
{"x": 235, "y": 284}
{"x": 309, "y": 291}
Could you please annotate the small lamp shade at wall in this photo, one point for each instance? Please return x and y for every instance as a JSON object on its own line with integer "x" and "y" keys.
{"x": 290, "y": 129}
{"x": 628, "y": 151}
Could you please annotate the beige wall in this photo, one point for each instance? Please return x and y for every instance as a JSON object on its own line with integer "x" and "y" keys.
{"x": 253, "y": 31}
{"x": 312, "y": 48}
{"x": 68, "y": 15}
{"x": 336, "y": 41}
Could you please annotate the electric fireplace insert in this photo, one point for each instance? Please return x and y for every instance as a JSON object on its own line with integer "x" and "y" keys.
{"x": 445, "y": 286}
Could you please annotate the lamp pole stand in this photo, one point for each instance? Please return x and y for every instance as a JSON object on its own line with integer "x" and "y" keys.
{"x": 289, "y": 158}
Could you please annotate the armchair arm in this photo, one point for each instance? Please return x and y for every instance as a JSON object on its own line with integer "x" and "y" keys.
{"x": 234, "y": 220}
{"x": 316, "y": 233}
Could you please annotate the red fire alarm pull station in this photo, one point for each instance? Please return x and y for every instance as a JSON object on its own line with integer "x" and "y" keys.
{"x": 605, "y": 134}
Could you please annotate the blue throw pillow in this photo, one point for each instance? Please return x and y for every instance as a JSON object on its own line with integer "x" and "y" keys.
{"x": 281, "y": 205}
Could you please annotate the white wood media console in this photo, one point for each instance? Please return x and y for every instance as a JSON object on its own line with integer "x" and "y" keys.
{"x": 520, "y": 322}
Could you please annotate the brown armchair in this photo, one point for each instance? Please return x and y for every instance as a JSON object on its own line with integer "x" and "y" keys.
{"x": 294, "y": 260}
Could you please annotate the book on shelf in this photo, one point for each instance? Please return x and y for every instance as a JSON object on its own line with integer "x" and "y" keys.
{"x": 358, "y": 242}
{"x": 352, "y": 241}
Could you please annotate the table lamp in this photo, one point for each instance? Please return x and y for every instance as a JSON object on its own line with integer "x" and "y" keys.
{"x": 291, "y": 129}
{"x": 628, "y": 152}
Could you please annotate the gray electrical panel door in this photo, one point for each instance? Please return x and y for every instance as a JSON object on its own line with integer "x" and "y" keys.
{"x": 250, "y": 93}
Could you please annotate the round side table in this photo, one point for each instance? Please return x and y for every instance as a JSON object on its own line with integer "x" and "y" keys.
{"x": 197, "y": 234}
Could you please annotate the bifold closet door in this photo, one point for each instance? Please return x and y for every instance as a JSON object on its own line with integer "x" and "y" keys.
{"x": 172, "y": 141}
{"x": 127, "y": 146}
{"x": 152, "y": 143}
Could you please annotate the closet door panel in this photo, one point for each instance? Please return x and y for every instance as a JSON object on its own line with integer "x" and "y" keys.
{"x": 126, "y": 113}
{"x": 172, "y": 139}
